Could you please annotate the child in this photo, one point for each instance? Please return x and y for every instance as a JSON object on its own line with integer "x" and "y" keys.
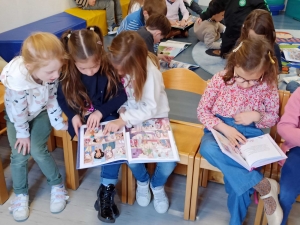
{"x": 194, "y": 6}
{"x": 237, "y": 102}
{"x": 146, "y": 99}
{"x": 112, "y": 7}
{"x": 259, "y": 23}
{"x": 288, "y": 128}
{"x": 173, "y": 7}
{"x": 209, "y": 31}
{"x": 90, "y": 92}
{"x": 235, "y": 13}
{"x": 138, "y": 19}
{"x": 30, "y": 101}
{"x": 157, "y": 27}
{"x": 135, "y": 5}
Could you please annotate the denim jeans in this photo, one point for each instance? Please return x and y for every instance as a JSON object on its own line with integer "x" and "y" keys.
{"x": 292, "y": 86}
{"x": 239, "y": 182}
{"x": 160, "y": 176}
{"x": 289, "y": 182}
{"x": 40, "y": 129}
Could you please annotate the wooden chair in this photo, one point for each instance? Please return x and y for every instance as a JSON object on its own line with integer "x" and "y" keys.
{"x": 205, "y": 166}
{"x": 187, "y": 135}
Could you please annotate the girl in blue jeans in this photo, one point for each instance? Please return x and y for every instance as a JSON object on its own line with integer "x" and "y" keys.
{"x": 90, "y": 92}
{"x": 147, "y": 99}
{"x": 238, "y": 102}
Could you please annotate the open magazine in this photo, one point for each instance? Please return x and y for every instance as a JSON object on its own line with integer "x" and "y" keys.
{"x": 292, "y": 54}
{"x": 176, "y": 64}
{"x": 172, "y": 48}
{"x": 151, "y": 141}
{"x": 189, "y": 23}
{"x": 257, "y": 152}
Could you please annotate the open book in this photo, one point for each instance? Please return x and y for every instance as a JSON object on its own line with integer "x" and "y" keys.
{"x": 151, "y": 141}
{"x": 257, "y": 152}
{"x": 176, "y": 64}
{"x": 189, "y": 23}
{"x": 172, "y": 48}
{"x": 292, "y": 54}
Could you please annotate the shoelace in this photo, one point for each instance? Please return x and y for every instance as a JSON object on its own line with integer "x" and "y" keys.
{"x": 106, "y": 202}
{"x": 160, "y": 196}
{"x": 59, "y": 194}
{"x": 143, "y": 190}
{"x": 18, "y": 203}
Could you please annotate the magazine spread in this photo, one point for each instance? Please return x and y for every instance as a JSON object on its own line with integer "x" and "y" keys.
{"x": 189, "y": 23}
{"x": 292, "y": 54}
{"x": 151, "y": 141}
{"x": 176, "y": 64}
{"x": 172, "y": 48}
{"x": 256, "y": 152}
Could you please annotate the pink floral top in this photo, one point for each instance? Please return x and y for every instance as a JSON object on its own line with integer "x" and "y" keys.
{"x": 229, "y": 100}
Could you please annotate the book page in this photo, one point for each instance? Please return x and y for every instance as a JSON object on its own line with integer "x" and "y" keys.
{"x": 96, "y": 149}
{"x": 152, "y": 141}
{"x": 292, "y": 54}
{"x": 170, "y": 51}
{"x": 176, "y": 44}
{"x": 190, "y": 21}
{"x": 176, "y": 64}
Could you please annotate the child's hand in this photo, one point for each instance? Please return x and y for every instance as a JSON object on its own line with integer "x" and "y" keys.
{"x": 246, "y": 118}
{"x": 199, "y": 20}
{"x": 235, "y": 137}
{"x": 165, "y": 58}
{"x": 122, "y": 110}
{"x": 174, "y": 23}
{"x": 65, "y": 127}
{"x": 92, "y": 2}
{"x": 76, "y": 122}
{"x": 94, "y": 120}
{"x": 182, "y": 23}
{"x": 23, "y": 144}
{"x": 114, "y": 126}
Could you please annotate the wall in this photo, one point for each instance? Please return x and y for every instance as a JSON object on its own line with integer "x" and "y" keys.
{"x": 16, "y": 13}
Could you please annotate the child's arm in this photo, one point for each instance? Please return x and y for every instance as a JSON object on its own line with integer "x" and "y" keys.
{"x": 82, "y": 3}
{"x": 184, "y": 11}
{"x": 221, "y": 28}
{"x": 288, "y": 127}
{"x": 209, "y": 39}
{"x": 53, "y": 109}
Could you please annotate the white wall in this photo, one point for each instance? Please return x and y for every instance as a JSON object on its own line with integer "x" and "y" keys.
{"x": 15, "y": 13}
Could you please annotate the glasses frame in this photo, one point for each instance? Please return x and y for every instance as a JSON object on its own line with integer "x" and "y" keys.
{"x": 250, "y": 82}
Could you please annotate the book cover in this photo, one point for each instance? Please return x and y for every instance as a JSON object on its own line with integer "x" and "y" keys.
{"x": 151, "y": 141}
{"x": 176, "y": 64}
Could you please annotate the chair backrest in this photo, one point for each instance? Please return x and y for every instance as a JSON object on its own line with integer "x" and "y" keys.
{"x": 184, "y": 80}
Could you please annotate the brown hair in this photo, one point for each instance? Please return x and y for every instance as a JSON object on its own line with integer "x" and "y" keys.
{"x": 261, "y": 22}
{"x": 81, "y": 45}
{"x": 129, "y": 51}
{"x": 251, "y": 55}
{"x": 155, "y": 6}
{"x": 132, "y": 2}
{"x": 41, "y": 47}
{"x": 159, "y": 22}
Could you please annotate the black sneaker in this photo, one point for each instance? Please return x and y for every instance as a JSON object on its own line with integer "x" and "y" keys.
{"x": 113, "y": 29}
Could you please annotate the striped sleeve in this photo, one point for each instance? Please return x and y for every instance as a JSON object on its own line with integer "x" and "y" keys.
{"x": 82, "y": 3}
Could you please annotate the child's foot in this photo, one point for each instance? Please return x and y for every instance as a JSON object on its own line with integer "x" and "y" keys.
{"x": 143, "y": 195}
{"x": 112, "y": 29}
{"x": 19, "y": 207}
{"x": 161, "y": 201}
{"x": 58, "y": 198}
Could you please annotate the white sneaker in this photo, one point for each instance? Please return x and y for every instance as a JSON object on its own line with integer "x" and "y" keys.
{"x": 161, "y": 201}
{"x": 58, "y": 198}
{"x": 143, "y": 195}
{"x": 19, "y": 207}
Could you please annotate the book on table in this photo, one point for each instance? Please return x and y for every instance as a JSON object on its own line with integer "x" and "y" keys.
{"x": 256, "y": 152}
{"x": 151, "y": 141}
{"x": 176, "y": 64}
{"x": 172, "y": 48}
{"x": 189, "y": 23}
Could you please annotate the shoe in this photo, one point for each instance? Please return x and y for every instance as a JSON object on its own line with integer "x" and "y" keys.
{"x": 161, "y": 201}
{"x": 142, "y": 194}
{"x": 277, "y": 216}
{"x": 114, "y": 206}
{"x": 19, "y": 207}
{"x": 105, "y": 205}
{"x": 59, "y": 198}
{"x": 113, "y": 29}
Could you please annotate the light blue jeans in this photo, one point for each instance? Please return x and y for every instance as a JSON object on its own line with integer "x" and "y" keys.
{"x": 40, "y": 129}
{"x": 160, "y": 176}
{"x": 292, "y": 86}
{"x": 239, "y": 182}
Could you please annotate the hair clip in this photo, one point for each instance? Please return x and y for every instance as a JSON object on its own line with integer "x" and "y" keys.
{"x": 271, "y": 59}
{"x": 92, "y": 28}
{"x": 69, "y": 34}
{"x": 237, "y": 48}
{"x": 99, "y": 42}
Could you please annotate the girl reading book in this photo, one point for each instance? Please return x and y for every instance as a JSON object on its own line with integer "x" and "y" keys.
{"x": 238, "y": 102}
{"x": 90, "y": 92}
{"x": 147, "y": 99}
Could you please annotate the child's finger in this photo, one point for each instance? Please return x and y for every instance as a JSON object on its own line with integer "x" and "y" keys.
{"x": 16, "y": 145}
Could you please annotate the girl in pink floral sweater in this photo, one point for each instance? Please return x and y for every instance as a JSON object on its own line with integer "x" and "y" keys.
{"x": 238, "y": 102}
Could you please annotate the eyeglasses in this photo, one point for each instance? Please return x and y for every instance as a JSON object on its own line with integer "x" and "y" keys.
{"x": 250, "y": 82}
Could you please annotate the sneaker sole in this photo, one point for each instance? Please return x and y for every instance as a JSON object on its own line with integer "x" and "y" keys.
{"x": 104, "y": 220}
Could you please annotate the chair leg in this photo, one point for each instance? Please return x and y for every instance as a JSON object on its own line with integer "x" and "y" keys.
{"x": 131, "y": 187}
{"x": 3, "y": 188}
{"x": 204, "y": 178}
{"x": 51, "y": 142}
{"x": 124, "y": 183}
{"x": 195, "y": 188}
{"x": 188, "y": 189}
{"x": 259, "y": 213}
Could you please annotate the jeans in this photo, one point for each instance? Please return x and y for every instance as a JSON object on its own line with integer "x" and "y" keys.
{"x": 112, "y": 7}
{"x": 194, "y": 7}
{"x": 160, "y": 176}
{"x": 289, "y": 182}
{"x": 239, "y": 182}
{"x": 292, "y": 86}
{"x": 40, "y": 129}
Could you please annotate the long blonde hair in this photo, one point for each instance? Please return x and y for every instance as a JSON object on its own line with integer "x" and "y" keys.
{"x": 41, "y": 47}
{"x": 129, "y": 51}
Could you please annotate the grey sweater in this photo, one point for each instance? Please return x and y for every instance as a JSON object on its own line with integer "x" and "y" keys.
{"x": 208, "y": 31}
